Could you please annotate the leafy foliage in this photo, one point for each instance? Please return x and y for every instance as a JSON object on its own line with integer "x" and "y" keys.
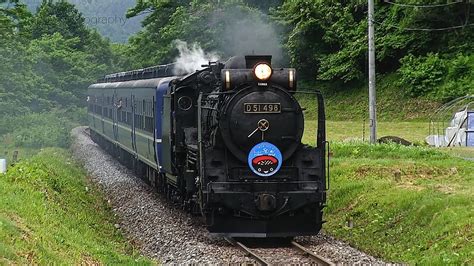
{"x": 460, "y": 78}
{"x": 327, "y": 39}
{"x": 48, "y": 61}
{"x": 227, "y": 27}
{"x": 442, "y": 78}
{"x": 40, "y": 130}
{"x": 106, "y": 16}
{"x": 59, "y": 18}
{"x": 421, "y": 74}
{"x": 13, "y": 16}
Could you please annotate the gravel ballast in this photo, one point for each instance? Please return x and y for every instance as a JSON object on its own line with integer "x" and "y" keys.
{"x": 164, "y": 232}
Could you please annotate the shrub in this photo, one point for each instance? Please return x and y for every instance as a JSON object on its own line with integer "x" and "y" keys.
{"x": 460, "y": 78}
{"x": 421, "y": 74}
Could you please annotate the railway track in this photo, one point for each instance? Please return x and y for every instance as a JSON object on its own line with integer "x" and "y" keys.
{"x": 256, "y": 253}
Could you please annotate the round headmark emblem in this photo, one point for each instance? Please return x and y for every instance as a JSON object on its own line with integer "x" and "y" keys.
{"x": 265, "y": 159}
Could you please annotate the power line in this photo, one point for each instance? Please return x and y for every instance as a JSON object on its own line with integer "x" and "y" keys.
{"x": 422, "y": 6}
{"x": 426, "y": 29}
{"x": 465, "y": 24}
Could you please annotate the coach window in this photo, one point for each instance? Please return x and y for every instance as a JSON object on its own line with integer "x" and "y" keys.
{"x": 142, "y": 118}
{"x": 137, "y": 121}
{"x": 129, "y": 118}
{"x": 149, "y": 124}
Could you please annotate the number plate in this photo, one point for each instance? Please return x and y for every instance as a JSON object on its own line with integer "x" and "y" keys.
{"x": 262, "y": 108}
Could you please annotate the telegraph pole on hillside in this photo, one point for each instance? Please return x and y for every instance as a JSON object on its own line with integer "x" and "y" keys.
{"x": 372, "y": 101}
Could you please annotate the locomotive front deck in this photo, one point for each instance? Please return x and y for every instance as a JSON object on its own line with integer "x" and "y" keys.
{"x": 265, "y": 209}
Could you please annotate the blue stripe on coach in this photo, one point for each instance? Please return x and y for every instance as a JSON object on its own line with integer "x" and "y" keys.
{"x": 161, "y": 90}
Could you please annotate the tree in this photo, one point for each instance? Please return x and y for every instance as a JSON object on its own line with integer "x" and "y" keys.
{"x": 13, "y": 18}
{"x": 59, "y": 17}
{"x": 42, "y": 72}
{"x": 327, "y": 39}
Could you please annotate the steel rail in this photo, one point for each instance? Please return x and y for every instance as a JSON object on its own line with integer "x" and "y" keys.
{"x": 318, "y": 259}
{"x": 247, "y": 250}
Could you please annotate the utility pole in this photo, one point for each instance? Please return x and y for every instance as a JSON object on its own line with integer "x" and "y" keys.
{"x": 372, "y": 101}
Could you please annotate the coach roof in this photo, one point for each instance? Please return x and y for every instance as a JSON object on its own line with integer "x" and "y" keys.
{"x": 141, "y": 83}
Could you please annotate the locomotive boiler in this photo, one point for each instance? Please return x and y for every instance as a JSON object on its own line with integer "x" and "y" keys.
{"x": 224, "y": 141}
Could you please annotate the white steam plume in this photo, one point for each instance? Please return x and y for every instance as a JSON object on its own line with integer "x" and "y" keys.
{"x": 191, "y": 58}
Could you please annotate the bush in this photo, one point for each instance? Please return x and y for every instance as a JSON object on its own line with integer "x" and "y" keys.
{"x": 454, "y": 89}
{"x": 460, "y": 78}
{"x": 441, "y": 78}
{"x": 421, "y": 74}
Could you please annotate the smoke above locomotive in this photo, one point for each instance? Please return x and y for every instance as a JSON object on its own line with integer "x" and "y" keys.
{"x": 242, "y": 33}
{"x": 191, "y": 58}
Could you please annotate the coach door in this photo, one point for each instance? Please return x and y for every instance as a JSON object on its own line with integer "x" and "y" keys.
{"x": 116, "y": 107}
{"x": 103, "y": 112}
{"x": 133, "y": 132}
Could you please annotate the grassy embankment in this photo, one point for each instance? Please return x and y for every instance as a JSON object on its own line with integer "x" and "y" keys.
{"x": 51, "y": 214}
{"x": 407, "y": 204}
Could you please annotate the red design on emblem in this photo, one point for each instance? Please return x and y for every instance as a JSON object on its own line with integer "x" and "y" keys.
{"x": 265, "y": 164}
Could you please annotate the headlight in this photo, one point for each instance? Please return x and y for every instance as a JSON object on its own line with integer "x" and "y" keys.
{"x": 262, "y": 71}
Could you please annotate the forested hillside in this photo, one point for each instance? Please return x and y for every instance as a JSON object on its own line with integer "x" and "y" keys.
{"x": 429, "y": 47}
{"x": 106, "y": 16}
{"x": 48, "y": 60}
{"x": 424, "y": 52}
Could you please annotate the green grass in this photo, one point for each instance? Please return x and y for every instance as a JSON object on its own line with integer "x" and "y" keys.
{"x": 354, "y": 130}
{"x": 47, "y": 216}
{"x": 463, "y": 152}
{"x": 407, "y": 204}
{"x": 7, "y": 153}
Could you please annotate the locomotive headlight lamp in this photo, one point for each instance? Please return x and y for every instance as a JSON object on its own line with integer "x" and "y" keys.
{"x": 262, "y": 71}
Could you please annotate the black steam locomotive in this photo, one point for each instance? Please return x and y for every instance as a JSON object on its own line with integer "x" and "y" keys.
{"x": 224, "y": 141}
